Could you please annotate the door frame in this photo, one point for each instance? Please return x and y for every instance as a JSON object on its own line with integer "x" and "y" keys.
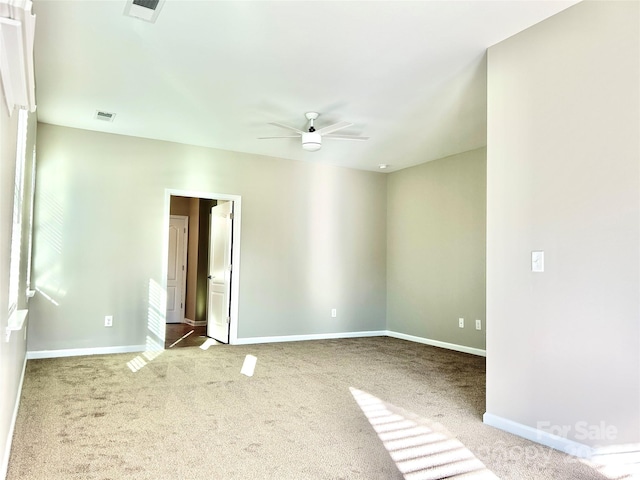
{"x": 235, "y": 247}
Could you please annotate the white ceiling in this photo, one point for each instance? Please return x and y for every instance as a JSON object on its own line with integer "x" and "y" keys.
{"x": 409, "y": 75}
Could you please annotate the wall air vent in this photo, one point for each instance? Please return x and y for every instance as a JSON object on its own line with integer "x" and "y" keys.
{"x": 147, "y": 10}
{"x": 105, "y": 116}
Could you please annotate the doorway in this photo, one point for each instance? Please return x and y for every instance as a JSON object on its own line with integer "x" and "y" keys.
{"x": 197, "y": 206}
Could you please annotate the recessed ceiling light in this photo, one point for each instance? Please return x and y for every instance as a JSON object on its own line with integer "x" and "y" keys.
{"x": 383, "y": 166}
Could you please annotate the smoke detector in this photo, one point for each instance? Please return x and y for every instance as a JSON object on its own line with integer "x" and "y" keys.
{"x": 147, "y": 10}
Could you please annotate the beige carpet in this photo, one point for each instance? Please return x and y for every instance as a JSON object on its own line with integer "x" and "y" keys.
{"x": 335, "y": 409}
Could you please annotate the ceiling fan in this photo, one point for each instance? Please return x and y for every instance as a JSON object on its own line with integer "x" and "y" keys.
{"x": 312, "y": 139}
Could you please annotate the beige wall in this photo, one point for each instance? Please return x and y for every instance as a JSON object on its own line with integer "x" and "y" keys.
{"x": 313, "y": 238}
{"x": 563, "y": 175}
{"x": 436, "y": 249}
{"x": 179, "y": 205}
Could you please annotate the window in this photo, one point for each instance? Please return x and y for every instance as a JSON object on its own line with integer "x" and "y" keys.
{"x": 16, "y": 230}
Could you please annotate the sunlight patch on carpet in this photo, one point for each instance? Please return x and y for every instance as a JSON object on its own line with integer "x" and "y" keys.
{"x": 136, "y": 364}
{"x": 421, "y": 449}
{"x": 249, "y": 365}
{"x": 152, "y": 351}
{"x": 207, "y": 343}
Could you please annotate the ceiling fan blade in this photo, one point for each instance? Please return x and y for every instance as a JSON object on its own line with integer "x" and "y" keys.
{"x": 282, "y": 125}
{"x": 334, "y": 127}
{"x": 345, "y": 137}
{"x": 287, "y": 136}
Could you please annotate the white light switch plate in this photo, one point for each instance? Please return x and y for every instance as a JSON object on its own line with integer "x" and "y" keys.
{"x": 537, "y": 261}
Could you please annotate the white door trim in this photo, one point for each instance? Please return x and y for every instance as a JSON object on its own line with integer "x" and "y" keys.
{"x": 235, "y": 246}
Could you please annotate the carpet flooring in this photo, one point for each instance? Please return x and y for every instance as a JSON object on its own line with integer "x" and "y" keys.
{"x": 366, "y": 408}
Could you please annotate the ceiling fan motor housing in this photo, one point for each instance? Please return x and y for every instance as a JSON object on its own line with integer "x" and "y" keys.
{"x": 311, "y": 141}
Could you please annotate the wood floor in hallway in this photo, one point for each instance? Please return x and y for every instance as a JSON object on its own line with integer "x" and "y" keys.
{"x": 184, "y": 335}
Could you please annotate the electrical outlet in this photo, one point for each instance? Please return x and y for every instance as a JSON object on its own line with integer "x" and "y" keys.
{"x": 334, "y": 313}
{"x": 461, "y": 322}
{"x": 478, "y": 324}
{"x": 108, "y": 321}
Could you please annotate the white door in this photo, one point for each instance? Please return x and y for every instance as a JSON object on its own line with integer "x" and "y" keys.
{"x": 218, "y": 313}
{"x": 177, "y": 267}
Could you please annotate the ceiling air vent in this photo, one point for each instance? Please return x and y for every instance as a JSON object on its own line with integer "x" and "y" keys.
{"x": 105, "y": 116}
{"x": 150, "y": 4}
{"x": 147, "y": 10}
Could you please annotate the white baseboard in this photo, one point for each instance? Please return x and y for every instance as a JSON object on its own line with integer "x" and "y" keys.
{"x": 75, "y": 352}
{"x": 37, "y": 354}
{"x": 374, "y": 333}
{"x": 4, "y": 467}
{"x": 195, "y": 323}
{"x": 437, "y": 343}
{"x": 562, "y": 444}
{"x": 627, "y": 454}
{"x": 315, "y": 336}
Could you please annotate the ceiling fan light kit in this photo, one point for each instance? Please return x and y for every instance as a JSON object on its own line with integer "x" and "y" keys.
{"x": 312, "y": 139}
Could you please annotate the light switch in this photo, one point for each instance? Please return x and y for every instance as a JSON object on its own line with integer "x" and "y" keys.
{"x": 537, "y": 261}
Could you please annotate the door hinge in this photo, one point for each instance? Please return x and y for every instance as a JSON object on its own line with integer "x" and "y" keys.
{"x": 231, "y": 216}
{"x": 184, "y": 230}
{"x": 183, "y": 268}
{"x": 228, "y": 320}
